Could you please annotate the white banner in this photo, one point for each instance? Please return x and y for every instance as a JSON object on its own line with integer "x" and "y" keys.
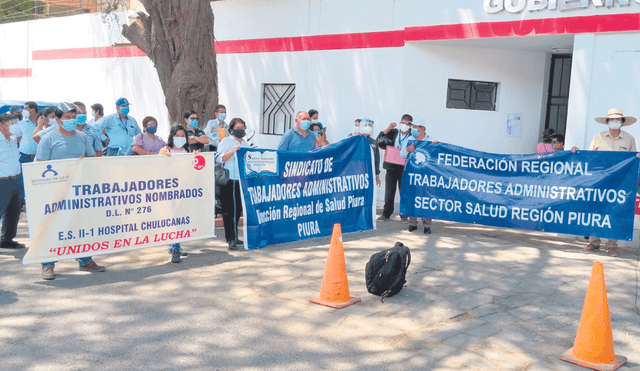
{"x": 94, "y": 206}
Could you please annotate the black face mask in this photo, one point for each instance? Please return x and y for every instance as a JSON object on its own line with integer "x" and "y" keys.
{"x": 239, "y": 133}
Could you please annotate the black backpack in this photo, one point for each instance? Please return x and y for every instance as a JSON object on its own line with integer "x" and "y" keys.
{"x": 386, "y": 271}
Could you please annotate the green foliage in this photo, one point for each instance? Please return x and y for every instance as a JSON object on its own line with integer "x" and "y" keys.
{"x": 20, "y": 10}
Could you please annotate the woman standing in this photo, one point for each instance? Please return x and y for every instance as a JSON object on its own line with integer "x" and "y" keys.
{"x": 148, "y": 143}
{"x": 230, "y": 198}
{"x": 177, "y": 143}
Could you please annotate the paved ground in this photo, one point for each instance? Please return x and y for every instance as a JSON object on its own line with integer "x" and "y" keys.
{"x": 477, "y": 298}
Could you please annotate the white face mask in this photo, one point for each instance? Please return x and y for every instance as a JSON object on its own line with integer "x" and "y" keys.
{"x": 179, "y": 141}
{"x": 366, "y": 130}
{"x": 25, "y": 114}
{"x": 615, "y": 124}
{"x": 356, "y": 129}
{"x": 404, "y": 127}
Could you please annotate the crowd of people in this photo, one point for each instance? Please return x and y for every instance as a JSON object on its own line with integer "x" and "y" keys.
{"x": 63, "y": 132}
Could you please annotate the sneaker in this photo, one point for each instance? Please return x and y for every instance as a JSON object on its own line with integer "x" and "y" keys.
{"x": 382, "y": 218}
{"x": 613, "y": 251}
{"x": 92, "y": 267}
{"x": 591, "y": 247}
{"x": 175, "y": 256}
{"x": 47, "y": 273}
{"x": 427, "y": 230}
{"x": 11, "y": 245}
{"x": 412, "y": 228}
{"x": 233, "y": 245}
{"x": 182, "y": 252}
{"x": 404, "y": 219}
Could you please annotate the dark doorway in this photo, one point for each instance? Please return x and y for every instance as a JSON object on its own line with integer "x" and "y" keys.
{"x": 560, "y": 77}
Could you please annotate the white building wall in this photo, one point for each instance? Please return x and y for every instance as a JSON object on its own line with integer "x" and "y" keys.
{"x": 520, "y": 76}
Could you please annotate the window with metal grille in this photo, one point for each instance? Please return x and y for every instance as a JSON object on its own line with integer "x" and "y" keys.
{"x": 278, "y": 101}
{"x": 476, "y": 95}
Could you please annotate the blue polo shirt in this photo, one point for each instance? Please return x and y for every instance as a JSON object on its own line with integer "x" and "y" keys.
{"x": 119, "y": 131}
{"x": 24, "y": 130}
{"x": 292, "y": 140}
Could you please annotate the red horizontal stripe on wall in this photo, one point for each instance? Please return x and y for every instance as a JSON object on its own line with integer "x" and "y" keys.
{"x": 528, "y": 27}
{"x": 386, "y": 39}
{"x": 14, "y": 72}
{"x": 88, "y": 53}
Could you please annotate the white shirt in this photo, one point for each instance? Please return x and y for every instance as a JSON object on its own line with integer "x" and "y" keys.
{"x": 231, "y": 164}
{"x": 214, "y": 139}
{"x": 9, "y": 157}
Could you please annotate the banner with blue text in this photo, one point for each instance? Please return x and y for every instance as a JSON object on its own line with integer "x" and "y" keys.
{"x": 587, "y": 193}
{"x": 94, "y": 206}
{"x": 290, "y": 196}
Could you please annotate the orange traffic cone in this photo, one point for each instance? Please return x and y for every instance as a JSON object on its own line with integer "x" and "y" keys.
{"x": 334, "y": 292}
{"x": 593, "y": 347}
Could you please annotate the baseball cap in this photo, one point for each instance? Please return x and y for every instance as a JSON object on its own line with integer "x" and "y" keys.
{"x": 122, "y": 102}
{"x": 15, "y": 109}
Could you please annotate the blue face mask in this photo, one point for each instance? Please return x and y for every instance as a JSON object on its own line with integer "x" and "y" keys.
{"x": 304, "y": 124}
{"x": 82, "y": 118}
{"x": 222, "y": 116}
{"x": 414, "y": 132}
{"x": 52, "y": 121}
{"x": 151, "y": 129}
{"x": 124, "y": 110}
{"x": 69, "y": 125}
{"x": 193, "y": 123}
{"x": 179, "y": 141}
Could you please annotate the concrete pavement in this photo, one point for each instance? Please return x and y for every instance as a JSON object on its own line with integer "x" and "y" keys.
{"x": 477, "y": 298}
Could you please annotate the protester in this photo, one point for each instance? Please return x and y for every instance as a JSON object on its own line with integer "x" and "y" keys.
{"x": 148, "y": 143}
{"x": 195, "y": 137}
{"x": 612, "y": 139}
{"x": 365, "y": 129}
{"x": 46, "y": 119}
{"x": 23, "y": 132}
{"x": 88, "y": 130}
{"x": 16, "y": 112}
{"x": 10, "y": 205}
{"x": 419, "y": 132}
{"x": 545, "y": 146}
{"x": 97, "y": 111}
{"x": 557, "y": 141}
{"x": 298, "y": 137}
{"x": 176, "y": 143}
{"x": 120, "y": 127}
{"x": 230, "y": 196}
{"x": 356, "y": 128}
{"x": 62, "y": 143}
{"x": 217, "y": 123}
{"x": 393, "y": 141}
{"x": 321, "y": 140}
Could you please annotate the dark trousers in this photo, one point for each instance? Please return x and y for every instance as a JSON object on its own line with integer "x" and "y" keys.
{"x": 231, "y": 205}
{"x": 24, "y": 158}
{"x": 10, "y": 207}
{"x": 392, "y": 180}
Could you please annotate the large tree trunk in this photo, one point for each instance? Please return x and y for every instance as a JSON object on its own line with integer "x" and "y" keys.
{"x": 178, "y": 37}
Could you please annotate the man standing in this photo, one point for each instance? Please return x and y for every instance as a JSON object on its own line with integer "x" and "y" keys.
{"x": 9, "y": 184}
{"x": 62, "y": 143}
{"x": 24, "y": 136}
{"x": 120, "y": 127}
{"x": 217, "y": 123}
{"x": 97, "y": 111}
{"x": 87, "y": 129}
{"x": 366, "y": 128}
{"x": 298, "y": 138}
{"x": 419, "y": 131}
{"x": 393, "y": 142}
{"x": 613, "y": 139}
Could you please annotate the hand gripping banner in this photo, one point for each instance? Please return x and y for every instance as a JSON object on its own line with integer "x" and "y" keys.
{"x": 587, "y": 193}
{"x": 93, "y": 206}
{"x": 290, "y": 196}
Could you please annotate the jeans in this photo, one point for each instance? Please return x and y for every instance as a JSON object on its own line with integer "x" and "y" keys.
{"x": 231, "y": 204}
{"x": 24, "y": 158}
{"x": 82, "y": 261}
{"x": 392, "y": 180}
{"x": 10, "y": 207}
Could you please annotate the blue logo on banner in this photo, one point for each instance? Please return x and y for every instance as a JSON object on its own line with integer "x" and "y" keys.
{"x": 304, "y": 194}
{"x": 589, "y": 193}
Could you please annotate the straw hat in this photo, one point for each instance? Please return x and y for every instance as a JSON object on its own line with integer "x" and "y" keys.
{"x": 616, "y": 113}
